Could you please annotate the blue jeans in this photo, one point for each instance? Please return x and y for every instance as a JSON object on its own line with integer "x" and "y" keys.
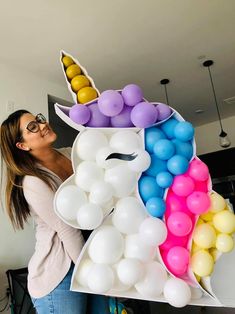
{"x": 63, "y": 301}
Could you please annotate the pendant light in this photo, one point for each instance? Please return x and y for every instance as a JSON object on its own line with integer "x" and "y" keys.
{"x": 223, "y": 137}
{"x": 165, "y": 82}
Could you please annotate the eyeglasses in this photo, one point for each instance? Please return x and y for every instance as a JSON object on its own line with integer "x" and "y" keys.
{"x": 33, "y": 126}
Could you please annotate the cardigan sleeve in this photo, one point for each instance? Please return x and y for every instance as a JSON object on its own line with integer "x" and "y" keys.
{"x": 40, "y": 199}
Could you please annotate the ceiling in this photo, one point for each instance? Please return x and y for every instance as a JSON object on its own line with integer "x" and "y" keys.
{"x": 130, "y": 41}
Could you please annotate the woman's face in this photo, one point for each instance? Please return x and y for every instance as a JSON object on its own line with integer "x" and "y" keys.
{"x": 36, "y": 133}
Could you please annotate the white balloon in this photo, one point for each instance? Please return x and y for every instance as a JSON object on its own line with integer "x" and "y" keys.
{"x": 68, "y": 200}
{"x": 141, "y": 162}
{"x": 130, "y": 271}
{"x": 152, "y": 284}
{"x": 100, "y": 278}
{"x": 101, "y": 192}
{"x": 135, "y": 248}
{"x": 101, "y": 156}
{"x": 108, "y": 207}
{"x": 106, "y": 246}
{"x": 196, "y": 293}
{"x": 86, "y": 174}
{"x": 177, "y": 292}
{"x": 126, "y": 142}
{"x": 153, "y": 231}
{"x": 118, "y": 286}
{"x": 89, "y": 142}
{"x": 89, "y": 216}
{"x": 122, "y": 180}
{"x": 128, "y": 215}
{"x": 83, "y": 270}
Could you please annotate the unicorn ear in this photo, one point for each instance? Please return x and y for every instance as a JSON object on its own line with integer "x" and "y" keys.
{"x": 80, "y": 84}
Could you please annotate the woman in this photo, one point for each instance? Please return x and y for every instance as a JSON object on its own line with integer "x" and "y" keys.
{"x": 34, "y": 171}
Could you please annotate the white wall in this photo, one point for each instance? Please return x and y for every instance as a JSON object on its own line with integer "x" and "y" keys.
{"x": 28, "y": 91}
{"x": 207, "y": 135}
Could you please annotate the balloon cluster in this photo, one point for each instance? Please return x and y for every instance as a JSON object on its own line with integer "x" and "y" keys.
{"x": 120, "y": 109}
{"x": 212, "y": 236}
{"x": 78, "y": 80}
{"x": 186, "y": 199}
{"x": 109, "y": 167}
{"x": 158, "y": 188}
{"x": 170, "y": 148}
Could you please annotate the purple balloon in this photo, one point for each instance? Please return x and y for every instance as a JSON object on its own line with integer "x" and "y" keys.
{"x": 132, "y": 94}
{"x": 110, "y": 103}
{"x": 97, "y": 119}
{"x": 164, "y": 111}
{"x": 80, "y": 113}
{"x": 144, "y": 114}
{"x": 123, "y": 119}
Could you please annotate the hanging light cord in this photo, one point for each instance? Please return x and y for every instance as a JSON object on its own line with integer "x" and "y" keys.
{"x": 167, "y": 101}
{"x": 216, "y": 103}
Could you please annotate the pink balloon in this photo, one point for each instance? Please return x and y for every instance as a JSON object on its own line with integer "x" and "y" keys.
{"x": 173, "y": 240}
{"x": 183, "y": 185}
{"x": 198, "y": 170}
{"x": 175, "y": 203}
{"x": 179, "y": 223}
{"x": 201, "y": 186}
{"x": 198, "y": 202}
{"x": 178, "y": 260}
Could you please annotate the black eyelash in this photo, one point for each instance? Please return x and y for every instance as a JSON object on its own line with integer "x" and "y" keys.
{"x": 127, "y": 157}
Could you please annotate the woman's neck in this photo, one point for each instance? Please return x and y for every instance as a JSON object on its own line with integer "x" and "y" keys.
{"x": 46, "y": 156}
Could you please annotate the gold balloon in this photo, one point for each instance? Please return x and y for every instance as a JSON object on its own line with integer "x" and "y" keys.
{"x": 202, "y": 263}
{"x": 218, "y": 203}
{"x": 204, "y": 236}
{"x": 86, "y": 94}
{"x": 73, "y": 70}
{"x": 78, "y": 82}
{"x": 224, "y": 243}
{"x": 224, "y": 221}
{"x": 67, "y": 61}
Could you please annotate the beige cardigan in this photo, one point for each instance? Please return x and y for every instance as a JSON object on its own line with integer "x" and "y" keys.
{"x": 57, "y": 244}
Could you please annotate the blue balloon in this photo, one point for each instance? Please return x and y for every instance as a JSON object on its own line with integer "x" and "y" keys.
{"x": 156, "y": 207}
{"x": 184, "y": 131}
{"x": 164, "y": 179}
{"x": 148, "y": 188}
{"x": 183, "y": 148}
{"x": 164, "y": 149}
{"x": 157, "y": 165}
{"x": 177, "y": 164}
{"x": 168, "y": 127}
{"x": 152, "y": 135}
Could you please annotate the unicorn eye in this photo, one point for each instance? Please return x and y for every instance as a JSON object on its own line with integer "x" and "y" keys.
{"x": 126, "y": 157}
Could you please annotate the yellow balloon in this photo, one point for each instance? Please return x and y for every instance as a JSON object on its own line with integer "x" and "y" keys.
{"x": 86, "y": 94}
{"x": 224, "y": 243}
{"x": 200, "y": 221}
{"x": 195, "y": 248}
{"x": 218, "y": 203}
{"x": 207, "y": 216}
{"x": 73, "y": 70}
{"x": 214, "y": 253}
{"x": 202, "y": 263}
{"x": 224, "y": 221}
{"x": 67, "y": 61}
{"x": 204, "y": 236}
{"x": 79, "y": 82}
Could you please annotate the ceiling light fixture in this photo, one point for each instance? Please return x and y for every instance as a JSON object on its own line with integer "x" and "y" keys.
{"x": 223, "y": 137}
{"x": 165, "y": 82}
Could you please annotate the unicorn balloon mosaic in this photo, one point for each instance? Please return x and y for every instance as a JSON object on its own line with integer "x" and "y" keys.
{"x": 158, "y": 225}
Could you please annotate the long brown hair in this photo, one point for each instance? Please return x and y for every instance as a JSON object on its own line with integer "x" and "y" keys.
{"x": 19, "y": 163}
